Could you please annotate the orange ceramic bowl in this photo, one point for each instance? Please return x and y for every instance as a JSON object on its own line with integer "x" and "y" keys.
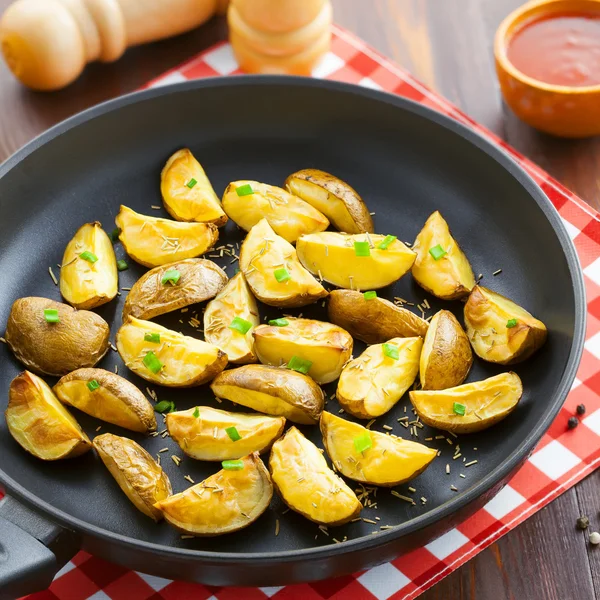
{"x": 563, "y": 111}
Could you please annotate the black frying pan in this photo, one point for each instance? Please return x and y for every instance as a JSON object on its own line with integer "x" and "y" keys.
{"x": 406, "y": 161}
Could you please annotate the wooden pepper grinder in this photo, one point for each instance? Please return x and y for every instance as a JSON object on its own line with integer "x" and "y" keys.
{"x": 47, "y": 43}
{"x": 279, "y": 36}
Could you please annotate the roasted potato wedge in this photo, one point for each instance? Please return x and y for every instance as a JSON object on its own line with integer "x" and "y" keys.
{"x": 501, "y": 331}
{"x": 333, "y": 256}
{"x": 386, "y": 460}
{"x": 375, "y": 320}
{"x": 171, "y": 359}
{"x": 444, "y": 272}
{"x": 40, "y": 423}
{"x": 289, "y": 216}
{"x": 446, "y": 357}
{"x": 206, "y": 433}
{"x": 199, "y": 280}
{"x": 371, "y": 384}
{"x": 273, "y": 272}
{"x": 88, "y": 275}
{"x": 108, "y": 397}
{"x": 245, "y": 495}
{"x": 234, "y": 300}
{"x": 78, "y": 339}
{"x": 306, "y": 483}
{"x": 139, "y": 476}
{"x": 328, "y": 347}
{"x": 340, "y": 203}
{"x": 187, "y": 192}
{"x": 484, "y": 403}
{"x": 153, "y": 242}
{"x": 273, "y": 391}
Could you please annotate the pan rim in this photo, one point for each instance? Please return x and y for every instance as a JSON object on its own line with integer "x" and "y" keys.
{"x": 494, "y": 151}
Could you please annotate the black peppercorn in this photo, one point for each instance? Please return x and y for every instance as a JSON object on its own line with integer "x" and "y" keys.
{"x": 583, "y": 523}
{"x": 581, "y": 409}
{"x": 573, "y": 422}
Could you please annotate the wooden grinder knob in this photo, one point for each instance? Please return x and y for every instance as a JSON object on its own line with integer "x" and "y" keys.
{"x": 47, "y": 43}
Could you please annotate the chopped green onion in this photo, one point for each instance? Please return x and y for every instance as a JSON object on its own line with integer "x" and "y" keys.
{"x": 244, "y": 190}
{"x": 370, "y": 295}
{"x": 386, "y": 241}
{"x": 114, "y": 235}
{"x": 122, "y": 265}
{"x": 152, "y": 337}
{"x": 391, "y": 351}
{"x": 459, "y": 409}
{"x": 196, "y": 412}
{"x": 89, "y": 256}
{"x": 152, "y": 362}
{"x": 511, "y": 323}
{"x": 279, "y": 322}
{"x": 241, "y": 325}
{"x": 363, "y": 442}
{"x": 93, "y": 385}
{"x": 233, "y": 433}
{"x": 165, "y": 406}
{"x": 282, "y": 275}
{"x": 51, "y": 315}
{"x": 299, "y": 364}
{"x": 437, "y": 252}
{"x": 171, "y": 276}
{"x": 362, "y": 249}
{"x": 233, "y": 465}
{"x": 191, "y": 183}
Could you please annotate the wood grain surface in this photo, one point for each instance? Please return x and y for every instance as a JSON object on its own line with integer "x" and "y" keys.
{"x": 448, "y": 45}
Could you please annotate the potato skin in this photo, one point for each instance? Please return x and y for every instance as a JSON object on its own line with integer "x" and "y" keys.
{"x": 293, "y": 392}
{"x": 39, "y": 423}
{"x": 446, "y": 357}
{"x": 138, "y": 475}
{"x": 486, "y": 316}
{"x": 200, "y": 280}
{"x": 116, "y": 401}
{"x": 343, "y": 206}
{"x": 372, "y": 321}
{"x": 80, "y": 338}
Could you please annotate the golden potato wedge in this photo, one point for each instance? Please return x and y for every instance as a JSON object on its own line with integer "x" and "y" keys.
{"x": 88, "y": 275}
{"x": 273, "y": 391}
{"x": 273, "y": 272}
{"x": 501, "y": 331}
{"x": 327, "y": 347}
{"x": 187, "y": 192}
{"x": 139, "y": 476}
{"x": 234, "y": 300}
{"x": 289, "y": 216}
{"x": 40, "y": 423}
{"x": 339, "y": 202}
{"x": 441, "y": 267}
{"x": 199, "y": 280}
{"x": 370, "y": 456}
{"x": 446, "y": 357}
{"x": 78, "y": 339}
{"x": 108, "y": 397}
{"x": 153, "y": 242}
{"x": 371, "y": 384}
{"x": 483, "y": 403}
{"x": 167, "y": 357}
{"x": 244, "y": 495}
{"x": 375, "y": 320}
{"x": 206, "y": 433}
{"x": 333, "y": 256}
{"x": 307, "y": 485}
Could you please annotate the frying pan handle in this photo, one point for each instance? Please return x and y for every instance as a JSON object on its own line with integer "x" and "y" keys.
{"x": 32, "y": 550}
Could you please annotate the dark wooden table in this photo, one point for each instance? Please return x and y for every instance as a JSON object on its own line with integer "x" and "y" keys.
{"x": 448, "y": 45}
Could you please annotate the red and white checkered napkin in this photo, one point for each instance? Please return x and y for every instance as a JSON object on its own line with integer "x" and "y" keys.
{"x": 562, "y": 458}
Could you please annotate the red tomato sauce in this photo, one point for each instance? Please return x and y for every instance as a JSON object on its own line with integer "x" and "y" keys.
{"x": 560, "y": 50}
